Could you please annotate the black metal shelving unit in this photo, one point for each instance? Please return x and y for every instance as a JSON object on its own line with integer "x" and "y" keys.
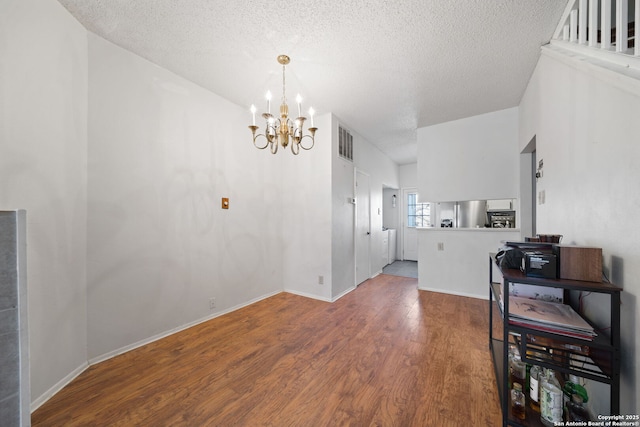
{"x": 566, "y": 355}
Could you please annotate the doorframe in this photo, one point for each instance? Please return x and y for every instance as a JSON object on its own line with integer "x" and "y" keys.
{"x": 528, "y": 189}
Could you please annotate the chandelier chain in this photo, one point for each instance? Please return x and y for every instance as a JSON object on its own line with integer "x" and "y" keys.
{"x": 284, "y": 99}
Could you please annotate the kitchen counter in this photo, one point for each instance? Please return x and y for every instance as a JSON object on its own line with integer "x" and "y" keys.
{"x": 517, "y": 230}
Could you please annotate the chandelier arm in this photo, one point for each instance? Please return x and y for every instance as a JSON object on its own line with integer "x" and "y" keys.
{"x": 256, "y": 137}
{"x": 266, "y": 143}
{"x": 291, "y": 133}
{"x": 311, "y": 137}
{"x": 295, "y": 147}
{"x": 310, "y": 146}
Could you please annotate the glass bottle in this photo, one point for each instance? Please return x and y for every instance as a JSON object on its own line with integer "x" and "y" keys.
{"x": 518, "y": 408}
{"x": 551, "y": 403}
{"x": 513, "y": 355}
{"x": 517, "y": 368}
{"x": 576, "y": 410}
{"x": 572, "y": 387}
{"x": 518, "y": 372}
{"x": 534, "y": 387}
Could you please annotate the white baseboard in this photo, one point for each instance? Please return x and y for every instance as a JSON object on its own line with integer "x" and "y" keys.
{"x": 165, "y": 334}
{"x": 460, "y": 294}
{"x": 306, "y": 295}
{"x": 336, "y": 298}
{"x": 316, "y": 297}
{"x": 35, "y": 404}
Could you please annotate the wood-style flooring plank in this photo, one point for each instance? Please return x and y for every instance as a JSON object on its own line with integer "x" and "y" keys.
{"x": 385, "y": 354}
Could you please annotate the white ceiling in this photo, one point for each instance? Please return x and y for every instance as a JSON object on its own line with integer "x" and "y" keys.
{"x": 383, "y": 67}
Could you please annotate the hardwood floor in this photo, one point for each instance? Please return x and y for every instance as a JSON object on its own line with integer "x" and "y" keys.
{"x": 386, "y": 354}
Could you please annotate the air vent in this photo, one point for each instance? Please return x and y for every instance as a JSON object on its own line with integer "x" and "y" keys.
{"x": 345, "y": 144}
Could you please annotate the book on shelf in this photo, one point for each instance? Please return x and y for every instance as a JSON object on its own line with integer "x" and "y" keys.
{"x": 549, "y": 317}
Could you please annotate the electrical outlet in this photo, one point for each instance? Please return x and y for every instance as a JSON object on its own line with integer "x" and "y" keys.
{"x": 320, "y": 280}
{"x": 440, "y": 246}
{"x": 212, "y": 303}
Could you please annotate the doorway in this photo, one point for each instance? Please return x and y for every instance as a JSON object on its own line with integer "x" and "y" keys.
{"x": 402, "y": 268}
{"x": 409, "y": 232}
{"x": 363, "y": 227}
{"x": 528, "y": 189}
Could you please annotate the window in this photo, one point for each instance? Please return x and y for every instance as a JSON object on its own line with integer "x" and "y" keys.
{"x": 418, "y": 214}
{"x": 345, "y": 144}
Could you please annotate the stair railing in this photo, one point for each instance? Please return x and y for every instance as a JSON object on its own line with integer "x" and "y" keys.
{"x": 593, "y": 30}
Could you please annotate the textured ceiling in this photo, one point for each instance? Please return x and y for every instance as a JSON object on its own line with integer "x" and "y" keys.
{"x": 384, "y": 67}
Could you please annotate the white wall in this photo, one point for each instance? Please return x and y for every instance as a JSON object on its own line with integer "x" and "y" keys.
{"x": 306, "y": 207}
{"x": 43, "y": 137}
{"x": 162, "y": 154}
{"x": 408, "y": 175}
{"x": 469, "y": 159}
{"x": 585, "y": 119}
{"x": 382, "y": 172}
{"x": 462, "y": 267}
{"x": 342, "y": 219}
{"x": 390, "y": 213}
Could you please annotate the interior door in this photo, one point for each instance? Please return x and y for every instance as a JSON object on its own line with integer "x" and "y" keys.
{"x": 363, "y": 227}
{"x": 409, "y": 232}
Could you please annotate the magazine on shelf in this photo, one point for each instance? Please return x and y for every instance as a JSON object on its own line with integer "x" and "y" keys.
{"x": 553, "y": 329}
{"x": 549, "y": 316}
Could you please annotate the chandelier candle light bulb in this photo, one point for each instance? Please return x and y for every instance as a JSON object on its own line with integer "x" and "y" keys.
{"x": 283, "y": 130}
{"x": 268, "y": 96}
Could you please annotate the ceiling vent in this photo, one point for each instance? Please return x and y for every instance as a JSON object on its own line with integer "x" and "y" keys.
{"x": 345, "y": 144}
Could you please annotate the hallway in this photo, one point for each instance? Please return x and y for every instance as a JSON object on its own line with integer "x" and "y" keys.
{"x": 402, "y": 268}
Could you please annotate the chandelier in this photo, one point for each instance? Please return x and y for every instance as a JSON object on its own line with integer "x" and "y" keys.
{"x": 282, "y": 130}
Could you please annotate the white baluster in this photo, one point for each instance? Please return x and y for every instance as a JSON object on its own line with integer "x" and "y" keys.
{"x": 605, "y": 25}
{"x": 636, "y": 36}
{"x": 582, "y": 26}
{"x": 564, "y": 21}
{"x": 593, "y": 23}
{"x": 622, "y": 23}
{"x": 574, "y": 26}
{"x": 565, "y": 33}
